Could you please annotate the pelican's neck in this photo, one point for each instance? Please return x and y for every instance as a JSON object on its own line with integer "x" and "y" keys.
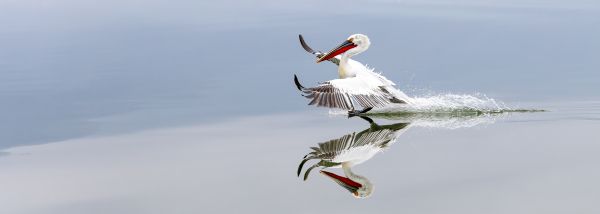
{"x": 344, "y": 69}
{"x": 344, "y": 59}
{"x": 366, "y": 187}
{"x": 348, "y": 171}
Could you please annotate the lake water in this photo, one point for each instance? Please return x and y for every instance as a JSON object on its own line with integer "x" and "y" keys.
{"x": 189, "y": 107}
{"x": 509, "y": 163}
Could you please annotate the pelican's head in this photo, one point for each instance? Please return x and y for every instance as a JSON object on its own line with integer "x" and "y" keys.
{"x": 355, "y": 44}
{"x": 359, "y": 186}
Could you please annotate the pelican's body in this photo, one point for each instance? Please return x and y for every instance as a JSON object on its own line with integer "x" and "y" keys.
{"x": 357, "y": 84}
{"x": 350, "y": 150}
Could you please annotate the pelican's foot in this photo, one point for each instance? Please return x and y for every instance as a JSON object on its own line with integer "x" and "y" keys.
{"x": 353, "y": 113}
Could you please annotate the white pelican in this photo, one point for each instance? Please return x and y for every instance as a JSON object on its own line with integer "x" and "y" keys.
{"x": 350, "y": 150}
{"x": 357, "y": 84}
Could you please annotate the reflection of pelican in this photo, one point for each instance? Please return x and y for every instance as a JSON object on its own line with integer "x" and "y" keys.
{"x": 350, "y": 150}
{"x": 357, "y": 84}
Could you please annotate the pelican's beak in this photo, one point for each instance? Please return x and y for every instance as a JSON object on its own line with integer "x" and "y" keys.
{"x": 345, "y": 46}
{"x": 345, "y": 182}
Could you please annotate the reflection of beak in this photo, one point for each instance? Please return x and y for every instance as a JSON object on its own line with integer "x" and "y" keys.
{"x": 345, "y": 182}
{"x": 345, "y": 46}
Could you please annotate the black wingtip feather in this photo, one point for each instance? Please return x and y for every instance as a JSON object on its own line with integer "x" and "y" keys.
{"x": 304, "y": 45}
{"x": 298, "y": 85}
{"x": 301, "y": 165}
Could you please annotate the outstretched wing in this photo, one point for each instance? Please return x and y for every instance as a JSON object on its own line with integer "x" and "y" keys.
{"x": 342, "y": 93}
{"x": 318, "y": 54}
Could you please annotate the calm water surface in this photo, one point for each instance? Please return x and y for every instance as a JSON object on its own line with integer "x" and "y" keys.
{"x": 510, "y": 163}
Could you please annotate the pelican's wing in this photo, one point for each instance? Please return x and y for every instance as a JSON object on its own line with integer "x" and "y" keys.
{"x": 327, "y": 95}
{"x": 342, "y": 93}
{"x": 318, "y": 54}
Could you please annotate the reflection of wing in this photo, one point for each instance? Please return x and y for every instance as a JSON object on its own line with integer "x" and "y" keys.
{"x": 358, "y": 147}
{"x": 353, "y": 148}
{"x": 318, "y": 54}
{"x": 340, "y": 93}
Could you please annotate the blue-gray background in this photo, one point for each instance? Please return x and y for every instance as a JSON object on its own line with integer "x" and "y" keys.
{"x": 77, "y": 68}
{"x": 189, "y": 107}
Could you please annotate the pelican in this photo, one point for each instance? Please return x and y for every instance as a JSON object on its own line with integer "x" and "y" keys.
{"x": 350, "y": 150}
{"x": 357, "y": 85}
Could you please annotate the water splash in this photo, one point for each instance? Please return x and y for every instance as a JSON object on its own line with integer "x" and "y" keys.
{"x": 446, "y": 107}
{"x": 449, "y": 103}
